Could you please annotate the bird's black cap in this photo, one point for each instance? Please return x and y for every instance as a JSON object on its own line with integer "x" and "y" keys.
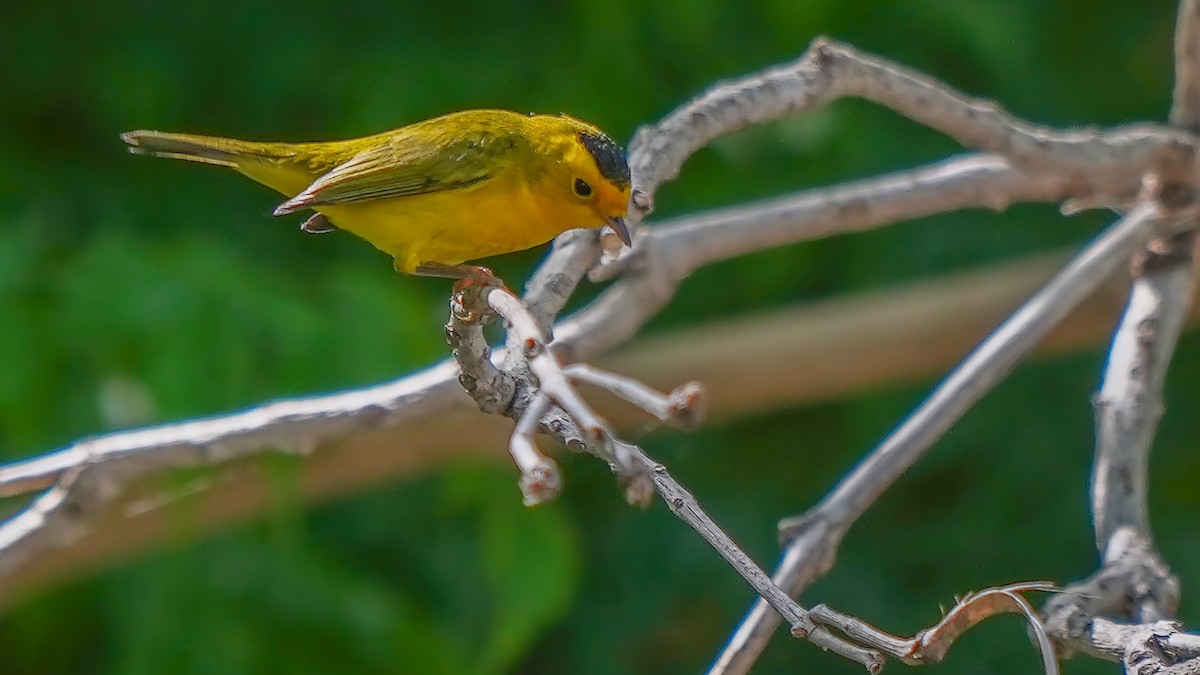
{"x": 609, "y": 156}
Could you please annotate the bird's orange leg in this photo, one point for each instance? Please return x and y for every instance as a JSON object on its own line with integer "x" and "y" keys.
{"x": 467, "y": 275}
{"x": 471, "y": 279}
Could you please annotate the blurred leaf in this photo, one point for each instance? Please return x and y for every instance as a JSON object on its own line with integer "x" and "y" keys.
{"x": 531, "y": 559}
{"x": 330, "y": 617}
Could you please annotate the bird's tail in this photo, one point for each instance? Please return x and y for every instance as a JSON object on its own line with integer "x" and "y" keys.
{"x": 193, "y": 148}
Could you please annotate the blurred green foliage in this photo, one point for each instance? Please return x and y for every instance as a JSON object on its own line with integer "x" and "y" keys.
{"x": 135, "y": 291}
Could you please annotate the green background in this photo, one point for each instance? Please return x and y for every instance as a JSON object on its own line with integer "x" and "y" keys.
{"x": 135, "y": 291}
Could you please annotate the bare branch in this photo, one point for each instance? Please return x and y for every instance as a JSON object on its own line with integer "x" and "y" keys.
{"x": 970, "y": 181}
{"x": 539, "y": 479}
{"x": 94, "y": 474}
{"x": 1108, "y": 163}
{"x": 1129, "y": 404}
{"x": 683, "y": 407}
{"x": 1134, "y": 582}
{"x": 981, "y": 371}
{"x": 670, "y": 252}
{"x": 1106, "y": 157}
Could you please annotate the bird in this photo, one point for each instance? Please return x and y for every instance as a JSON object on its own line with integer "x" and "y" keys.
{"x": 439, "y": 193}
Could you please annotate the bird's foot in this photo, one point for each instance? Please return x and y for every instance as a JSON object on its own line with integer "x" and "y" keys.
{"x": 470, "y": 280}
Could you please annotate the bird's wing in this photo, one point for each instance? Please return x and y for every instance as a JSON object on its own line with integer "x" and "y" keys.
{"x": 411, "y": 164}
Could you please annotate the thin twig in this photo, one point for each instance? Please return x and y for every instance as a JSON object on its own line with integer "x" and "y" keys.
{"x": 687, "y": 509}
{"x": 684, "y": 406}
{"x": 931, "y": 644}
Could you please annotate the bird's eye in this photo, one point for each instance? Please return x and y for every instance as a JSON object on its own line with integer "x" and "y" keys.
{"x": 582, "y": 189}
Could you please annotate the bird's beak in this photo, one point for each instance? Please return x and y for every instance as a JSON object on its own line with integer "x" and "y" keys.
{"x": 618, "y": 226}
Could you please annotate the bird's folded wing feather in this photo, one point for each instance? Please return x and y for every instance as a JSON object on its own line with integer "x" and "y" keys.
{"x": 408, "y": 165}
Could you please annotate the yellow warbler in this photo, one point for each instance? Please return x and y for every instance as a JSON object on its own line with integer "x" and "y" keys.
{"x": 437, "y": 193}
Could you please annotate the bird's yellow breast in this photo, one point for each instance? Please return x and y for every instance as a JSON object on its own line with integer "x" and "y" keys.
{"x": 505, "y": 214}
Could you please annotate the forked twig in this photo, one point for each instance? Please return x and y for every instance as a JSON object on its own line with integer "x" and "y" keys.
{"x": 550, "y": 383}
